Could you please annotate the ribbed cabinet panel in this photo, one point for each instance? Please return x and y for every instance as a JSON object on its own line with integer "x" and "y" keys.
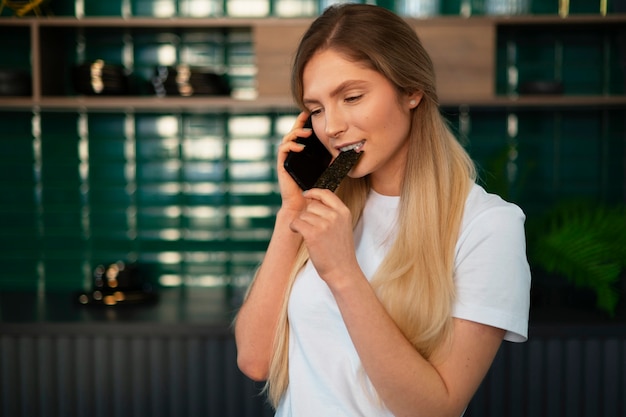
{"x": 555, "y": 377}
{"x": 124, "y": 377}
{"x": 197, "y": 376}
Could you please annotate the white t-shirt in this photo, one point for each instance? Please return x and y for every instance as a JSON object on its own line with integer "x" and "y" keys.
{"x": 492, "y": 280}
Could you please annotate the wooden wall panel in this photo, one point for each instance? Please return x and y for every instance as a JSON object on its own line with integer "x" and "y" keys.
{"x": 464, "y": 58}
{"x": 274, "y": 48}
{"x": 463, "y": 55}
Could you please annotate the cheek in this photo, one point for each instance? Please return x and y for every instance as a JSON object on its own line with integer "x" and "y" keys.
{"x": 396, "y": 125}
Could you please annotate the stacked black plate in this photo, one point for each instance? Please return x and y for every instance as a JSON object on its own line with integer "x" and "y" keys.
{"x": 120, "y": 284}
{"x": 14, "y": 82}
{"x": 99, "y": 78}
{"x": 183, "y": 80}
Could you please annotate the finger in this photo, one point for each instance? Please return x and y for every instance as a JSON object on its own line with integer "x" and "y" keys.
{"x": 319, "y": 213}
{"x": 326, "y": 197}
{"x": 301, "y": 119}
{"x": 298, "y": 129}
{"x": 290, "y": 146}
{"x": 310, "y": 225}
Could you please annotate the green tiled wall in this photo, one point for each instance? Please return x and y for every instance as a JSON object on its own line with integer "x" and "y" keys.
{"x": 586, "y": 62}
{"x": 19, "y": 227}
{"x": 194, "y": 194}
{"x": 16, "y": 40}
{"x": 538, "y": 158}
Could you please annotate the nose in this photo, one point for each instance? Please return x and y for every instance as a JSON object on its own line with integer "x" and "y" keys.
{"x": 335, "y": 124}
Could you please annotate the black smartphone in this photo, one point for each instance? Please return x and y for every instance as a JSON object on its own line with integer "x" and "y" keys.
{"x": 306, "y": 166}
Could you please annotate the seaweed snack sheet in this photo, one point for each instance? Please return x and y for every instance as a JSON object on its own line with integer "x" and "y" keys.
{"x": 337, "y": 171}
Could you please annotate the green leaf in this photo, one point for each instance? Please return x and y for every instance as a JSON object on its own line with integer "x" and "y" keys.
{"x": 586, "y": 244}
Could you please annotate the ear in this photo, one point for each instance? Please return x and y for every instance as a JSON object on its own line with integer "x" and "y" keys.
{"x": 414, "y": 99}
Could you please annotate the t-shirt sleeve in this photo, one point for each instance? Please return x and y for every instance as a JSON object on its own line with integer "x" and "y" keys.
{"x": 492, "y": 275}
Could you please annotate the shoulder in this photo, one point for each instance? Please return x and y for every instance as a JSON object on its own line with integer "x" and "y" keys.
{"x": 491, "y": 271}
{"x": 480, "y": 203}
{"x": 490, "y": 221}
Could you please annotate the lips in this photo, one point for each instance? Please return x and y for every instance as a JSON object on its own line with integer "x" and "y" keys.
{"x": 356, "y": 146}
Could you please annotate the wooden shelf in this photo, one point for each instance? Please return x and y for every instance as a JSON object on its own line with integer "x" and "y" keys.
{"x": 278, "y": 103}
{"x": 212, "y": 22}
{"x": 573, "y": 19}
{"x": 542, "y": 101}
{"x": 149, "y": 22}
{"x": 463, "y": 51}
{"x": 150, "y": 103}
{"x": 557, "y": 101}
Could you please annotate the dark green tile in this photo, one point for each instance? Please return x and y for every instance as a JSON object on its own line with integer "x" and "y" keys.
{"x": 112, "y": 219}
{"x": 103, "y": 8}
{"x": 15, "y": 48}
{"x": 60, "y": 125}
{"x": 17, "y": 125}
{"x": 58, "y": 226}
{"x": 19, "y": 277}
{"x": 156, "y": 221}
{"x": 108, "y": 248}
{"x": 20, "y": 244}
{"x": 103, "y": 151}
{"x": 17, "y": 194}
{"x": 106, "y": 44}
{"x": 63, "y": 7}
{"x": 18, "y": 171}
{"x": 154, "y": 8}
{"x": 20, "y": 221}
{"x": 61, "y": 196}
{"x": 64, "y": 273}
{"x": 584, "y": 7}
{"x": 107, "y": 173}
{"x": 198, "y": 127}
{"x": 158, "y": 195}
{"x": 106, "y": 196}
{"x": 203, "y": 172}
{"x": 158, "y": 148}
{"x": 214, "y": 223}
{"x": 16, "y": 150}
{"x": 106, "y": 126}
{"x": 205, "y": 199}
{"x": 158, "y": 172}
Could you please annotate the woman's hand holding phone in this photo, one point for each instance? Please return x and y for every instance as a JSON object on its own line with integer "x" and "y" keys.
{"x": 290, "y": 191}
{"x": 308, "y": 165}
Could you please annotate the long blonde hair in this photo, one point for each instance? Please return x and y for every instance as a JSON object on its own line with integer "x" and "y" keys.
{"x": 415, "y": 280}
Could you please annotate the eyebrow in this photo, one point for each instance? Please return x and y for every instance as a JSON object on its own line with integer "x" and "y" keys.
{"x": 339, "y": 89}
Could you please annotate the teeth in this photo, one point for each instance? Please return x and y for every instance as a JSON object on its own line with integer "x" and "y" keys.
{"x": 355, "y": 146}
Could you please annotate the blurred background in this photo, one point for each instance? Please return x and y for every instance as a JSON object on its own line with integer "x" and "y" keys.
{"x": 138, "y": 192}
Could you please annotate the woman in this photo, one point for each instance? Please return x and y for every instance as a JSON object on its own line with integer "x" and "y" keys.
{"x": 392, "y": 296}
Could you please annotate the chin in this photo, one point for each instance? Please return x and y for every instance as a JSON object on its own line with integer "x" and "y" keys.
{"x": 356, "y": 174}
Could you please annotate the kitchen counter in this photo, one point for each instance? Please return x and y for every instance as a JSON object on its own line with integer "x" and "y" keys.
{"x": 207, "y": 311}
{"x": 176, "y": 357}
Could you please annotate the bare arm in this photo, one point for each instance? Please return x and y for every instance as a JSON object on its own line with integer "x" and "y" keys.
{"x": 408, "y": 384}
{"x": 257, "y": 320}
